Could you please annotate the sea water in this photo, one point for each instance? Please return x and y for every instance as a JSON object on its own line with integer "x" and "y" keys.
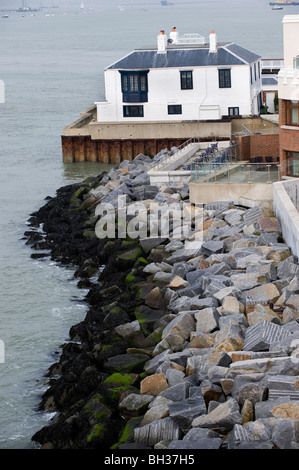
{"x": 52, "y": 69}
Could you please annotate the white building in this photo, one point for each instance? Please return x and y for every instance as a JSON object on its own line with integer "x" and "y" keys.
{"x": 182, "y": 78}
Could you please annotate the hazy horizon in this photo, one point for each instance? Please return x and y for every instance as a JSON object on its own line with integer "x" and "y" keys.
{"x": 15, "y": 4}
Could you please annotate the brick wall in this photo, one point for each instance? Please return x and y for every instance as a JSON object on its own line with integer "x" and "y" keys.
{"x": 259, "y": 145}
{"x": 288, "y": 138}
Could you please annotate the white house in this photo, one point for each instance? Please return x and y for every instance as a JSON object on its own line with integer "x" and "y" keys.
{"x": 182, "y": 78}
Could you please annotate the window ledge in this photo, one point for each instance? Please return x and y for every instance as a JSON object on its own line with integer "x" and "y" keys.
{"x": 291, "y": 128}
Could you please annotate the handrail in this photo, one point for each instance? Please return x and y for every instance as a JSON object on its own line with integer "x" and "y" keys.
{"x": 218, "y": 169}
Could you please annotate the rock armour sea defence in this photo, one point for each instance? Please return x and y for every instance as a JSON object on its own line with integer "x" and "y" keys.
{"x": 189, "y": 342}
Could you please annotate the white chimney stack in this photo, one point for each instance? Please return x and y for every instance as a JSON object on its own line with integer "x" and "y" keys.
{"x": 213, "y": 42}
{"x": 162, "y": 41}
{"x": 174, "y": 36}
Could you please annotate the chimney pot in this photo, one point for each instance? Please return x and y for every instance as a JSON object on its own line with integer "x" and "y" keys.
{"x": 213, "y": 42}
{"x": 174, "y": 36}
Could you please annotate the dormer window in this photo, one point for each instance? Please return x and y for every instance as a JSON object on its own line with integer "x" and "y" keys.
{"x": 134, "y": 86}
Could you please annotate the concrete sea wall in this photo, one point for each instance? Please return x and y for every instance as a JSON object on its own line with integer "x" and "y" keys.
{"x": 285, "y": 204}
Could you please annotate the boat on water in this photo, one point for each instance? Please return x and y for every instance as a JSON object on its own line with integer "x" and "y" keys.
{"x": 284, "y": 2}
{"x": 277, "y": 7}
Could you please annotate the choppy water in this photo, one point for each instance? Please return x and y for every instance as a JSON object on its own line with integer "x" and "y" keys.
{"x": 52, "y": 67}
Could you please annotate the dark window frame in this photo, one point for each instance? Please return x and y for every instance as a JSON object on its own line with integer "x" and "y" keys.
{"x": 233, "y": 108}
{"x": 289, "y": 107}
{"x": 186, "y": 79}
{"x": 224, "y": 78}
{"x": 139, "y": 111}
{"x": 174, "y": 109}
{"x": 134, "y": 86}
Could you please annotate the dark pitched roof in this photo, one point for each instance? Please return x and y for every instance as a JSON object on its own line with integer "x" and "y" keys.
{"x": 226, "y": 55}
{"x": 246, "y": 55}
{"x": 269, "y": 81}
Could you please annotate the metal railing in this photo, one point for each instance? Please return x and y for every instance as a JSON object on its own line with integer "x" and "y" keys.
{"x": 235, "y": 172}
{"x": 174, "y": 153}
{"x": 191, "y": 38}
{"x": 272, "y": 64}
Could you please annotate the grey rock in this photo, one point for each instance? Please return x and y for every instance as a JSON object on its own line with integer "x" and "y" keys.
{"x": 252, "y": 215}
{"x": 261, "y": 335}
{"x": 218, "y": 207}
{"x": 192, "y": 291}
{"x": 227, "y": 291}
{"x": 263, "y": 409}
{"x": 261, "y": 269}
{"x": 287, "y": 268}
{"x": 177, "y": 304}
{"x": 267, "y": 239}
{"x": 159, "y": 430}
{"x": 213, "y": 287}
{"x": 286, "y": 345}
{"x": 149, "y": 243}
{"x": 197, "y": 304}
{"x": 177, "y": 392}
{"x": 185, "y": 411}
{"x": 225, "y": 416}
{"x": 275, "y": 365}
{"x": 199, "y": 433}
{"x": 281, "y": 386}
{"x": 186, "y": 253}
{"x": 206, "y": 280}
{"x": 181, "y": 268}
{"x": 174, "y": 376}
{"x": 260, "y": 429}
{"x": 136, "y": 403}
{"x": 213, "y": 247}
{"x": 253, "y": 391}
{"x": 229, "y": 330}
{"x": 174, "y": 245}
{"x": 206, "y": 320}
{"x": 151, "y": 366}
{"x": 246, "y": 281}
{"x": 285, "y": 433}
{"x": 182, "y": 325}
{"x": 238, "y": 435}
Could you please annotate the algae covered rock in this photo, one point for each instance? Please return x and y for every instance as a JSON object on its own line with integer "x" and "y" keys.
{"x": 127, "y": 259}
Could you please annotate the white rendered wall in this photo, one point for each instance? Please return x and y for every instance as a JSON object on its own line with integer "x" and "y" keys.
{"x": 205, "y": 101}
{"x": 288, "y": 76}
